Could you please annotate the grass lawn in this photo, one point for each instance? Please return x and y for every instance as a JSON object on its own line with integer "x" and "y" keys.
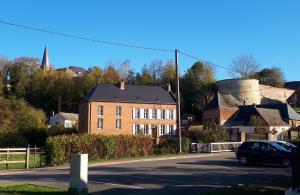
{"x": 244, "y": 190}
{"x": 37, "y": 162}
{"x": 30, "y": 189}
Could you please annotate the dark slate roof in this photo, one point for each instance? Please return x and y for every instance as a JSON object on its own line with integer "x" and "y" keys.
{"x": 221, "y": 100}
{"x": 271, "y": 116}
{"x": 292, "y": 85}
{"x": 77, "y": 69}
{"x": 286, "y": 111}
{"x": 131, "y": 93}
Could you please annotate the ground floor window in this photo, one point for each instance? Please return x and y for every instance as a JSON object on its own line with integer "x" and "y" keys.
{"x": 118, "y": 123}
{"x": 100, "y": 123}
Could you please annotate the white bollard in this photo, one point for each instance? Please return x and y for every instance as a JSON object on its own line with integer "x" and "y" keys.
{"x": 79, "y": 174}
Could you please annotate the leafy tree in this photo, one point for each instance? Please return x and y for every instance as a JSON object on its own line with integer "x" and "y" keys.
{"x": 197, "y": 88}
{"x": 145, "y": 78}
{"x": 20, "y": 73}
{"x": 243, "y": 66}
{"x": 169, "y": 74}
{"x": 16, "y": 114}
{"x": 270, "y": 76}
{"x": 131, "y": 78}
{"x": 111, "y": 75}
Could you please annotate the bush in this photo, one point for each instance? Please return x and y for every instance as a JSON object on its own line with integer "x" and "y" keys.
{"x": 13, "y": 140}
{"x": 185, "y": 145}
{"x": 169, "y": 145}
{"x": 212, "y": 135}
{"x": 59, "y": 148}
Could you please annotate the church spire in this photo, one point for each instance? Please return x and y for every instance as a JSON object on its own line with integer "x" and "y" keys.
{"x": 45, "y": 62}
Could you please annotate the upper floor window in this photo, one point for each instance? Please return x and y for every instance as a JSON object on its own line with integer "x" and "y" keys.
{"x": 100, "y": 110}
{"x": 154, "y": 114}
{"x": 171, "y": 114}
{"x": 137, "y": 113}
{"x": 146, "y": 114}
{"x": 163, "y": 114}
{"x": 118, "y": 111}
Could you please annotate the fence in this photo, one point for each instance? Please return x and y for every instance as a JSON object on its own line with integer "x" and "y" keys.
{"x": 215, "y": 147}
{"x": 22, "y": 156}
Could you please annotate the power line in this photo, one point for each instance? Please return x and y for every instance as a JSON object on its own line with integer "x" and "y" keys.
{"x": 84, "y": 38}
{"x": 196, "y": 58}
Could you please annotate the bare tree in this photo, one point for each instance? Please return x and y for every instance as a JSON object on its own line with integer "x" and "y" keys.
{"x": 124, "y": 69}
{"x": 244, "y": 66}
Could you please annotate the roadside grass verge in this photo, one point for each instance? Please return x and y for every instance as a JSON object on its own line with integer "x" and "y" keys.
{"x": 30, "y": 189}
{"x": 245, "y": 190}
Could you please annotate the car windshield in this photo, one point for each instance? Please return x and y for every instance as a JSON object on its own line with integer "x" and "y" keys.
{"x": 279, "y": 147}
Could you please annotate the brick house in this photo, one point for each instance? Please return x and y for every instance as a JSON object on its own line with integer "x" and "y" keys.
{"x": 112, "y": 109}
{"x": 220, "y": 110}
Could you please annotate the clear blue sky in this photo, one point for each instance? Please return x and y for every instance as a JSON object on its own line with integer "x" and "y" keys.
{"x": 214, "y": 30}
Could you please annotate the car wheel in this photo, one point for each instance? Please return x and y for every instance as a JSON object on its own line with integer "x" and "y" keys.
{"x": 285, "y": 162}
{"x": 243, "y": 160}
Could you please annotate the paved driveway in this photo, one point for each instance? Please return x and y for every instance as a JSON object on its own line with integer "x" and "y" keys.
{"x": 176, "y": 176}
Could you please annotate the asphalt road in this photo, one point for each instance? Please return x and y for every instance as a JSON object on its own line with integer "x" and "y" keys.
{"x": 176, "y": 176}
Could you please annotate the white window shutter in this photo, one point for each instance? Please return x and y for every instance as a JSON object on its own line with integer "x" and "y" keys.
{"x": 167, "y": 129}
{"x": 174, "y": 114}
{"x": 150, "y": 113}
{"x": 133, "y": 113}
{"x": 133, "y": 129}
{"x": 142, "y": 127}
{"x": 167, "y": 113}
{"x": 149, "y": 129}
{"x": 158, "y": 129}
{"x": 141, "y": 113}
{"x": 174, "y": 130}
{"x": 158, "y": 114}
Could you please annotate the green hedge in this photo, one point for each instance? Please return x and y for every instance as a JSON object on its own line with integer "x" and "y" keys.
{"x": 169, "y": 145}
{"x": 59, "y": 148}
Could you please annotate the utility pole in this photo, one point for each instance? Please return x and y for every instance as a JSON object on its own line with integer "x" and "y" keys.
{"x": 178, "y": 120}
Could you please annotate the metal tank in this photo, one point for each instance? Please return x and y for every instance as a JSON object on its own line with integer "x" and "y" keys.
{"x": 245, "y": 90}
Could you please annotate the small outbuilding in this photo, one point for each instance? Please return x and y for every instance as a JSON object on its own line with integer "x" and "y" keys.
{"x": 64, "y": 119}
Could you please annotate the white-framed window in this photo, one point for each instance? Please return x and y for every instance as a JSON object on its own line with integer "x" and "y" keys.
{"x": 118, "y": 123}
{"x": 163, "y": 114}
{"x": 154, "y": 114}
{"x": 162, "y": 129}
{"x": 100, "y": 123}
{"x": 146, "y": 129}
{"x": 137, "y": 128}
{"x": 100, "y": 110}
{"x": 171, "y": 129}
{"x": 171, "y": 114}
{"x": 118, "y": 111}
{"x": 146, "y": 113}
{"x": 137, "y": 113}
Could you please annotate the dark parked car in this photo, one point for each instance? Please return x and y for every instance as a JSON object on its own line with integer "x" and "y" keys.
{"x": 285, "y": 145}
{"x": 263, "y": 152}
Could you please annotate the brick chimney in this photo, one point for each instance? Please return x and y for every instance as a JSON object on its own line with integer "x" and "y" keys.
{"x": 169, "y": 87}
{"x": 122, "y": 85}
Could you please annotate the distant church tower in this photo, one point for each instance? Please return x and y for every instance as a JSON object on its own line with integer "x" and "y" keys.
{"x": 45, "y": 62}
